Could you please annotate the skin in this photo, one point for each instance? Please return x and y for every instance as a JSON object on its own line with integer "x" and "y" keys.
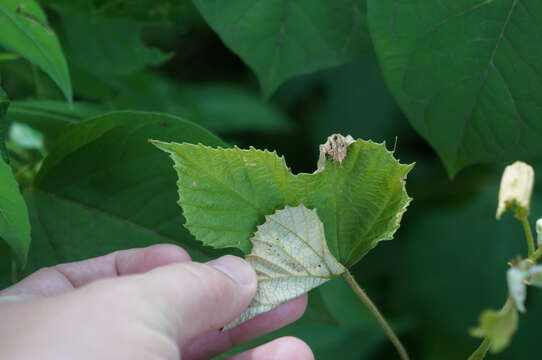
{"x": 152, "y": 303}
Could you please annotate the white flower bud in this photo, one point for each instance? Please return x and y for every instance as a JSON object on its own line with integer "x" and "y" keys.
{"x": 517, "y": 287}
{"x": 535, "y": 276}
{"x": 516, "y": 189}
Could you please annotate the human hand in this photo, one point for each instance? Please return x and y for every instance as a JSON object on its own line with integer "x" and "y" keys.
{"x": 152, "y": 304}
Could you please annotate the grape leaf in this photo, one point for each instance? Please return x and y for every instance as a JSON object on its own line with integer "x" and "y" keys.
{"x": 226, "y": 193}
{"x": 14, "y": 223}
{"x": 291, "y": 257}
{"x": 25, "y": 31}
{"x": 280, "y": 39}
{"x": 466, "y": 74}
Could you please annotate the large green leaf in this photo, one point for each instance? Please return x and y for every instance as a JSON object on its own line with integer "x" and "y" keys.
{"x": 218, "y": 106}
{"x": 104, "y": 188}
{"x": 50, "y": 117}
{"x": 92, "y": 43}
{"x": 4, "y": 104}
{"x": 467, "y": 74}
{"x": 25, "y": 31}
{"x": 225, "y": 194}
{"x": 279, "y": 39}
{"x": 14, "y": 224}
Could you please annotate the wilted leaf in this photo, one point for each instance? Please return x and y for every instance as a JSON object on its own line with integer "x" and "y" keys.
{"x": 498, "y": 327}
{"x": 225, "y": 194}
{"x": 14, "y": 224}
{"x": 291, "y": 257}
{"x": 25, "y": 31}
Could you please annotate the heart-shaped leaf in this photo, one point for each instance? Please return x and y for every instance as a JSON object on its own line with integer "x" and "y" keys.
{"x": 226, "y": 193}
{"x": 291, "y": 257}
{"x": 281, "y": 39}
{"x": 467, "y": 74}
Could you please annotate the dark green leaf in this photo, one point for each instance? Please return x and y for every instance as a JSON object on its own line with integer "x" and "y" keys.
{"x": 50, "y": 117}
{"x": 153, "y": 11}
{"x": 107, "y": 47}
{"x": 357, "y": 102}
{"x": 105, "y": 188}
{"x": 25, "y": 31}
{"x": 4, "y": 105}
{"x": 279, "y": 39}
{"x": 5, "y": 265}
{"x": 14, "y": 224}
{"x": 466, "y": 73}
{"x": 220, "y": 107}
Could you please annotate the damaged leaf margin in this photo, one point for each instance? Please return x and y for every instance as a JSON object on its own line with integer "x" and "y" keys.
{"x": 290, "y": 257}
{"x": 226, "y": 193}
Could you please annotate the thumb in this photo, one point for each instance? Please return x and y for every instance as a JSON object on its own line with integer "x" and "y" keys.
{"x": 196, "y": 297}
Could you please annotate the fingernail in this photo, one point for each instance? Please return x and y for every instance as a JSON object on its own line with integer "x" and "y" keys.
{"x": 235, "y": 267}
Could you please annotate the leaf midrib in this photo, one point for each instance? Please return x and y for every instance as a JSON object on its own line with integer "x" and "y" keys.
{"x": 483, "y": 83}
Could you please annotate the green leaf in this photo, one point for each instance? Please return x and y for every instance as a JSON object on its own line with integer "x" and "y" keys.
{"x": 5, "y": 265}
{"x": 226, "y": 193}
{"x": 4, "y": 105}
{"x": 25, "y": 31}
{"x": 14, "y": 224}
{"x": 228, "y": 109}
{"x": 92, "y": 43}
{"x": 498, "y": 327}
{"x": 148, "y": 11}
{"x": 290, "y": 257}
{"x": 279, "y": 39}
{"x": 218, "y": 106}
{"x": 466, "y": 73}
{"x": 50, "y": 117}
{"x": 103, "y": 188}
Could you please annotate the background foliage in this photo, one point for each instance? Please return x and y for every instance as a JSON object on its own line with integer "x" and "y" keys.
{"x": 451, "y": 83}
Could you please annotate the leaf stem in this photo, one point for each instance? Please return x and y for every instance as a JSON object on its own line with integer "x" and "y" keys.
{"x": 481, "y": 351}
{"x": 528, "y": 235}
{"x": 364, "y": 298}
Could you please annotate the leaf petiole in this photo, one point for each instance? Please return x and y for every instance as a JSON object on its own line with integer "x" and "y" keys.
{"x": 481, "y": 351}
{"x": 364, "y": 298}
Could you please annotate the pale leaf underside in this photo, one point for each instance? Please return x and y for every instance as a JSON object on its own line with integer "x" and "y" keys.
{"x": 290, "y": 256}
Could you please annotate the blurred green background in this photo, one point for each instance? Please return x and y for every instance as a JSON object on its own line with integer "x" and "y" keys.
{"x": 446, "y": 264}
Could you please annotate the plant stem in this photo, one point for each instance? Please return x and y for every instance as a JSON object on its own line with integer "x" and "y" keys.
{"x": 528, "y": 235}
{"x": 480, "y": 353}
{"x": 362, "y": 295}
